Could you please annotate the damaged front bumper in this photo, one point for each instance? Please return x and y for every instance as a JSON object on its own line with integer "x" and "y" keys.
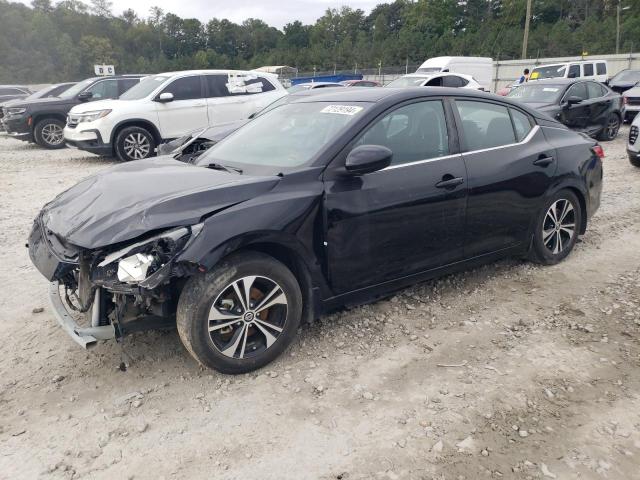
{"x": 83, "y": 336}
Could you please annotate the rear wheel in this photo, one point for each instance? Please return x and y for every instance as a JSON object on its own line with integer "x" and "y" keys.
{"x": 134, "y": 143}
{"x": 241, "y": 315}
{"x": 557, "y": 229}
{"x": 48, "y": 133}
{"x": 610, "y": 132}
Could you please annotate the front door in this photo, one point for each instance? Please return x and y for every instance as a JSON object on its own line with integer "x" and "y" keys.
{"x": 576, "y": 115}
{"x": 188, "y": 109}
{"x": 510, "y": 166}
{"x": 406, "y": 218}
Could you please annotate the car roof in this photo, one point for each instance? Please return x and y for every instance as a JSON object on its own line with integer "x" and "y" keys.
{"x": 396, "y": 95}
{"x": 319, "y": 83}
{"x": 219, "y": 71}
{"x": 13, "y": 86}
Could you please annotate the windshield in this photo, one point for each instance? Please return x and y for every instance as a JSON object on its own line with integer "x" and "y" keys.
{"x": 627, "y": 76}
{"x": 551, "y": 71}
{"x": 43, "y": 92}
{"x": 77, "y": 88}
{"x": 286, "y": 137}
{"x": 536, "y": 93}
{"x": 144, "y": 88}
{"x": 404, "y": 82}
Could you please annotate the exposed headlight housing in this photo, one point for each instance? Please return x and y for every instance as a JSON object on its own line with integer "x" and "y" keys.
{"x": 15, "y": 110}
{"x": 90, "y": 116}
{"x": 140, "y": 260}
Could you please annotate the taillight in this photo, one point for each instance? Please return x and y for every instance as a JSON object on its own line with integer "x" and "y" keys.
{"x": 597, "y": 149}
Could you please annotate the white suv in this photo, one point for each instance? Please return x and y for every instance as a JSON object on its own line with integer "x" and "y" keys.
{"x": 633, "y": 147}
{"x": 167, "y": 106}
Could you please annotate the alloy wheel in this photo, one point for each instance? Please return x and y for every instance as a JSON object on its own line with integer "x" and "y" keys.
{"x": 612, "y": 127}
{"x": 137, "y": 146}
{"x": 247, "y": 317}
{"x": 559, "y": 226}
{"x": 52, "y": 134}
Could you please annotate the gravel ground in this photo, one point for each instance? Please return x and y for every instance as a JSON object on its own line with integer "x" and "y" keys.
{"x": 508, "y": 371}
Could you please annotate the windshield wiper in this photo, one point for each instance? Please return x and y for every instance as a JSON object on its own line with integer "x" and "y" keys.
{"x": 226, "y": 168}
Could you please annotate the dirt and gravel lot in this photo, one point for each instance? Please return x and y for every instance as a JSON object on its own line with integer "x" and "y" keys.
{"x": 507, "y": 371}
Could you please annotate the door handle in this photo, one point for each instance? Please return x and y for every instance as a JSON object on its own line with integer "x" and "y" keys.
{"x": 450, "y": 182}
{"x": 543, "y": 161}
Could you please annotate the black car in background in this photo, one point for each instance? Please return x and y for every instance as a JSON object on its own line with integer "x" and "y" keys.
{"x": 624, "y": 80}
{"x": 46, "y": 92}
{"x": 42, "y": 120}
{"x": 582, "y": 105}
{"x": 328, "y": 200}
{"x": 11, "y": 92}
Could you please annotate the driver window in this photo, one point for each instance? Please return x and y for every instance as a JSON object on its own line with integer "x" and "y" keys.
{"x": 574, "y": 71}
{"x": 577, "y": 90}
{"x": 104, "y": 89}
{"x": 414, "y": 132}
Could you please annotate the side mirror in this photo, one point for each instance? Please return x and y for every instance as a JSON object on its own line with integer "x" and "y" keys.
{"x": 367, "y": 159}
{"x": 84, "y": 96}
{"x": 573, "y": 100}
{"x": 165, "y": 97}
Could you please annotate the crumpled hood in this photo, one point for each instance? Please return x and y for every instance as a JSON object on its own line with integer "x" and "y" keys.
{"x": 128, "y": 200}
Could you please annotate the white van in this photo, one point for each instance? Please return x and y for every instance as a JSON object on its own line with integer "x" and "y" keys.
{"x": 480, "y": 68}
{"x": 588, "y": 69}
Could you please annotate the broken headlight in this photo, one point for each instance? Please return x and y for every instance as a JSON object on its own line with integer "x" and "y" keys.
{"x": 138, "y": 261}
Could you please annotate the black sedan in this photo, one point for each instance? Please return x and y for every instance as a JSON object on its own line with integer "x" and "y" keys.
{"x": 329, "y": 200}
{"x": 583, "y": 105}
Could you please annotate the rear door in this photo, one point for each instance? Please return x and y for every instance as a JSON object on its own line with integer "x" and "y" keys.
{"x": 188, "y": 109}
{"x": 406, "y": 218}
{"x": 600, "y": 105}
{"x": 509, "y": 166}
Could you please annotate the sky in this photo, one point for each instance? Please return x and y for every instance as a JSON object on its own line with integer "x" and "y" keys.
{"x": 276, "y": 13}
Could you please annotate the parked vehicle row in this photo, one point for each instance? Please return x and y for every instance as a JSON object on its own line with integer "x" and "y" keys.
{"x": 167, "y": 106}
{"x": 42, "y": 120}
{"x": 329, "y": 198}
{"x": 583, "y": 105}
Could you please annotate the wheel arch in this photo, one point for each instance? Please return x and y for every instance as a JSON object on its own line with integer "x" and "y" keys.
{"x": 136, "y": 122}
{"x": 38, "y": 117}
{"x": 286, "y": 251}
{"x": 583, "y": 207}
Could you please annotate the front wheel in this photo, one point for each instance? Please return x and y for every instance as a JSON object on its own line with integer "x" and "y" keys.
{"x": 610, "y": 131}
{"x": 557, "y": 229}
{"x": 241, "y": 315}
{"x": 134, "y": 143}
{"x": 49, "y": 133}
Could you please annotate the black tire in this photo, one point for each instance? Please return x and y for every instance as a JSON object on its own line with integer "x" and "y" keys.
{"x": 545, "y": 246}
{"x": 610, "y": 131}
{"x": 48, "y": 133}
{"x": 134, "y": 143}
{"x": 242, "y": 338}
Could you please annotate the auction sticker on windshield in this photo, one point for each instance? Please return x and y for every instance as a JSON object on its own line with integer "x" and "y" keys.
{"x": 341, "y": 109}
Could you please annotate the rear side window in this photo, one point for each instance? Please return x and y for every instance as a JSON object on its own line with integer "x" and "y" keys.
{"x": 601, "y": 68}
{"x": 434, "y": 82}
{"x": 595, "y": 90}
{"x": 454, "y": 81}
{"x": 587, "y": 68}
{"x": 578, "y": 90}
{"x": 104, "y": 89}
{"x": 216, "y": 86}
{"x": 521, "y": 124}
{"x": 186, "y": 88}
{"x": 574, "y": 71}
{"x": 413, "y": 132}
{"x": 485, "y": 125}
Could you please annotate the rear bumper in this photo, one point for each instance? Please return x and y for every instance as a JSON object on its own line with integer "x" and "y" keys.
{"x": 88, "y": 140}
{"x": 83, "y": 336}
{"x": 633, "y": 155}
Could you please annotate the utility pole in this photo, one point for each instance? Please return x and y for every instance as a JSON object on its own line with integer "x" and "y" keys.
{"x": 525, "y": 40}
{"x": 619, "y": 9}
